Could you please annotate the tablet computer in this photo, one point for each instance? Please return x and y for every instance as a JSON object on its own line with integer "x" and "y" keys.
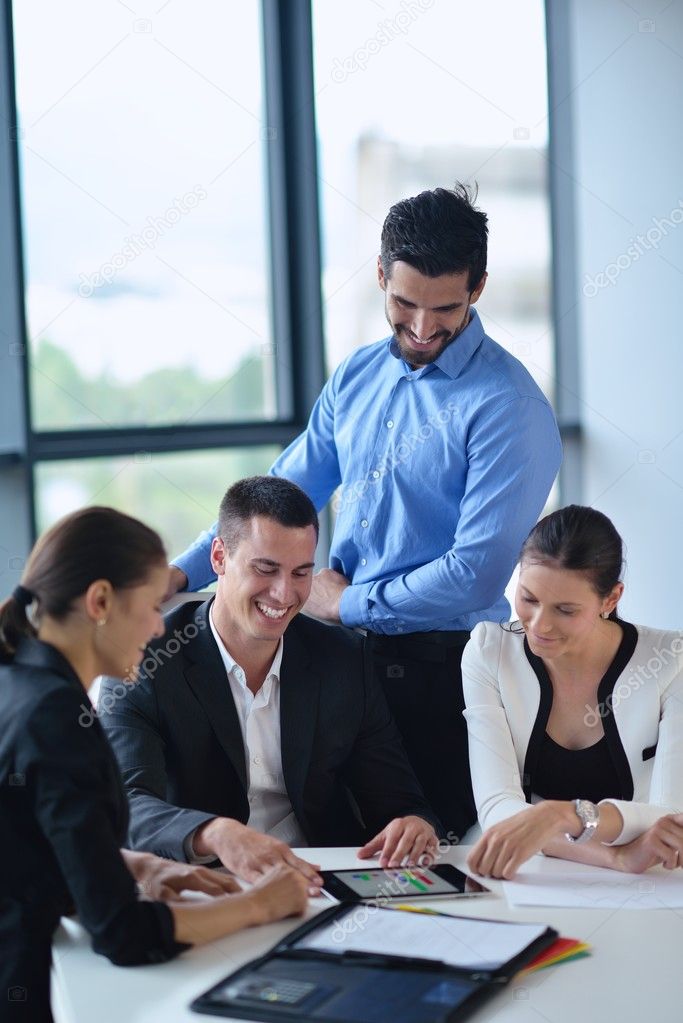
{"x": 363, "y": 883}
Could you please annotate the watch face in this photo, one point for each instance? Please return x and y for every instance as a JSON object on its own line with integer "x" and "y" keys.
{"x": 587, "y": 812}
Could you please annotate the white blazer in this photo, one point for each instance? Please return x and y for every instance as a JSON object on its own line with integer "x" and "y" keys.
{"x": 508, "y": 697}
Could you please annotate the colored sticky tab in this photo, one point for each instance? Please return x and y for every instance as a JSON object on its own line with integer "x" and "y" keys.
{"x": 560, "y": 951}
{"x": 408, "y": 908}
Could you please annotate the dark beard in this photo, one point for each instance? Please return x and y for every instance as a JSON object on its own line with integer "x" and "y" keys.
{"x": 416, "y": 358}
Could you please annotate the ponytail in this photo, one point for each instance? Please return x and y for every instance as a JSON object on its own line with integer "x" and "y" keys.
{"x": 14, "y": 622}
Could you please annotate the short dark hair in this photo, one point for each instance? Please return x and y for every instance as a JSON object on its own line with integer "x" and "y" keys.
{"x": 580, "y": 539}
{"x": 89, "y": 544}
{"x": 437, "y": 232}
{"x": 271, "y": 496}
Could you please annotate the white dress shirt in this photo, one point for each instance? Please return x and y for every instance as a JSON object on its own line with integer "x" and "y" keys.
{"x": 270, "y": 810}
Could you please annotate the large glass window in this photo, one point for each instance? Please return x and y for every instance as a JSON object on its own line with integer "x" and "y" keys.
{"x": 413, "y": 94}
{"x": 150, "y": 180}
{"x": 177, "y": 494}
{"x": 142, "y": 146}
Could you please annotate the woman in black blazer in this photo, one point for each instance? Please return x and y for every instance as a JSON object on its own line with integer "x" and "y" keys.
{"x": 88, "y": 604}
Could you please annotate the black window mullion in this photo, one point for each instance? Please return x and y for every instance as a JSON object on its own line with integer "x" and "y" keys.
{"x": 293, "y": 203}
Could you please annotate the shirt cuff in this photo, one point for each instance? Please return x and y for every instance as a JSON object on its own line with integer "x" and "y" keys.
{"x": 190, "y": 854}
{"x": 353, "y": 607}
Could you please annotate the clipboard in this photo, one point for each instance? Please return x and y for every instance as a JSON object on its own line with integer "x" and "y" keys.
{"x": 303, "y": 977}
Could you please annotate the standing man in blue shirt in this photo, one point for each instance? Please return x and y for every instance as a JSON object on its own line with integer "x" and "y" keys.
{"x": 443, "y": 451}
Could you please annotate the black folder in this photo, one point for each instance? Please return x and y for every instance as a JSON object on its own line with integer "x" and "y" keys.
{"x": 305, "y": 977}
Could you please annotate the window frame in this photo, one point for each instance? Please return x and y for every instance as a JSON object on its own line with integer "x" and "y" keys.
{"x": 295, "y": 286}
{"x": 295, "y": 270}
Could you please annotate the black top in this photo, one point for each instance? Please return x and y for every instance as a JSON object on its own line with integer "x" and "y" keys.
{"x": 558, "y": 773}
{"x": 63, "y": 819}
{"x": 563, "y": 773}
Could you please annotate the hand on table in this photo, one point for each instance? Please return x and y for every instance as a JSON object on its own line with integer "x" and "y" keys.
{"x": 326, "y": 593}
{"x": 281, "y": 892}
{"x": 506, "y": 846}
{"x": 163, "y": 880}
{"x": 250, "y": 854}
{"x": 662, "y": 843}
{"x": 409, "y": 839}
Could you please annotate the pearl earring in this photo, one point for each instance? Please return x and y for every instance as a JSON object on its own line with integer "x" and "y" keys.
{"x": 605, "y": 614}
{"x": 101, "y": 621}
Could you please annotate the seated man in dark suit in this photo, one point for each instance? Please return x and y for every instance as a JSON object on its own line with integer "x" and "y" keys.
{"x": 253, "y": 728}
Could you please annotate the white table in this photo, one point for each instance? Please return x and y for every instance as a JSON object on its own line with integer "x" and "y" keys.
{"x": 635, "y": 974}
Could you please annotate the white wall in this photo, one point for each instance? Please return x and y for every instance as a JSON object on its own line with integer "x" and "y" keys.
{"x": 626, "y": 92}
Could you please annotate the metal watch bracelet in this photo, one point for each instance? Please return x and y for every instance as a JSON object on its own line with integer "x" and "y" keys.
{"x": 589, "y": 815}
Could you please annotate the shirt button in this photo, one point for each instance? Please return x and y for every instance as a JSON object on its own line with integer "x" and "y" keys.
{"x": 256, "y": 760}
{"x": 363, "y": 561}
{"x": 375, "y": 475}
{"x": 390, "y": 424}
{"x": 364, "y": 523}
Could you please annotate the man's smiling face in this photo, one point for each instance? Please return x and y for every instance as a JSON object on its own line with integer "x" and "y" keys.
{"x": 426, "y": 314}
{"x": 265, "y": 581}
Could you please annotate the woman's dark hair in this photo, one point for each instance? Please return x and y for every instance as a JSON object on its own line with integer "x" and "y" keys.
{"x": 271, "y": 496}
{"x": 437, "y": 232}
{"x": 93, "y": 543}
{"x": 582, "y": 540}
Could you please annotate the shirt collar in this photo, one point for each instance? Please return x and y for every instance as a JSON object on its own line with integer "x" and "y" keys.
{"x": 456, "y": 356}
{"x": 230, "y": 662}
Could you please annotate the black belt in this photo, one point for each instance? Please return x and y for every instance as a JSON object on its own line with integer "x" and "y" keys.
{"x": 429, "y": 646}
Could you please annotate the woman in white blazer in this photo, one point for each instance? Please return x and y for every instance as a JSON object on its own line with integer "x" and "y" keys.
{"x": 575, "y": 717}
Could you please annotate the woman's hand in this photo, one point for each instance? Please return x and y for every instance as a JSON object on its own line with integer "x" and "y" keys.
{"x": 163, "y": 880}
{"x": 506, "y": 846}
{"x": 280, "y": 893}
{"x": 662, "y": 843}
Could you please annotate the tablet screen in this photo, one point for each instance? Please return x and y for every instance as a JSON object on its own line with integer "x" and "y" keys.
{"x": 401, "y": 882}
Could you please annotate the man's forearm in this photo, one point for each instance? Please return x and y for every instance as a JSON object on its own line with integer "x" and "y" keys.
{"x": 160, "y": 827}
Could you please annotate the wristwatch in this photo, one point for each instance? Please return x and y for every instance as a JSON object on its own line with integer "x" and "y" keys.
{"x": 589, "y": 815}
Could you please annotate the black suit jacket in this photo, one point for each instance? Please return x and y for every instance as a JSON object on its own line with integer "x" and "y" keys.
{"x": 63, "y": 818}
{"x": 177, "y": 738}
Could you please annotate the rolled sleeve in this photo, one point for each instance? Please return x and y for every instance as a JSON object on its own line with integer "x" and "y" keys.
{"x": 353, "y": 608}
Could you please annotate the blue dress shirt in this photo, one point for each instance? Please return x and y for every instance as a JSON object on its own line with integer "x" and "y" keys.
{"x": 441, "y": 472}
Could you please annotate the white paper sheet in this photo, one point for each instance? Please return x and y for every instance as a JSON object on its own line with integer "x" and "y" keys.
{"x": 458, "y": 941}
{"x": 595, "y": 888}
